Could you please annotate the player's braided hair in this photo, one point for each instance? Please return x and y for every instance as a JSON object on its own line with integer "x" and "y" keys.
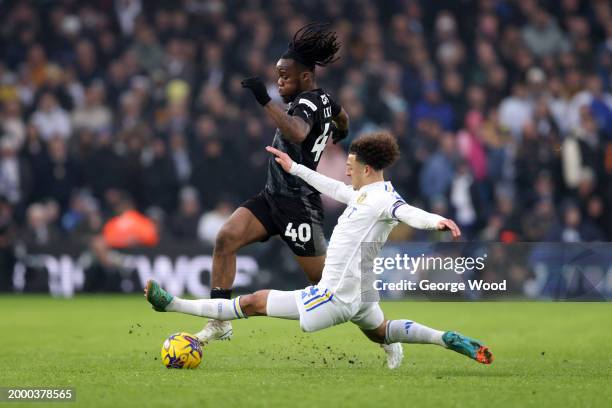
{"x": 314, "y": 45}
{"x": 378, "y": 150}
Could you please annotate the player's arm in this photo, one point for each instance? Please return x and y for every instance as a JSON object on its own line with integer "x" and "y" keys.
{"x": 341, "y": 124}
{"x": 326, "y": 185}
{"x": 294, "y": 128}
{"x": 420, "y": 219}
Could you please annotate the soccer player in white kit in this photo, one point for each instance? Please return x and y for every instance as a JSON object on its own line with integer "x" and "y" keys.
{"x": 373, "y": 210}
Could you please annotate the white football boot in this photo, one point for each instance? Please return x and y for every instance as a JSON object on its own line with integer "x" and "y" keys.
{"x": 395, "y": 354}
{"x": 215, "y": 330}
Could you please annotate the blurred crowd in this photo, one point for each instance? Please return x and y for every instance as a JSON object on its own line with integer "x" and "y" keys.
{"x": 502, "y": 109}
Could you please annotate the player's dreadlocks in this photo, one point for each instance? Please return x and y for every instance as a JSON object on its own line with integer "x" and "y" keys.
{"x": 313, "y": 45}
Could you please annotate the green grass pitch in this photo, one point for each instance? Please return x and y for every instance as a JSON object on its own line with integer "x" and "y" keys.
{"x": 107, "y": 347}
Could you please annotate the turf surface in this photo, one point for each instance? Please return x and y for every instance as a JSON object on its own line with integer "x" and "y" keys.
{"x": 107, "y": 347}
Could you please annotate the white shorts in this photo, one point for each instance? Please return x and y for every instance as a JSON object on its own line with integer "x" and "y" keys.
{"x": 319, "y": 309}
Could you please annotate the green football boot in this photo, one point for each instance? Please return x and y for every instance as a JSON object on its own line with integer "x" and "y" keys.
{"x": 472, "y": 348}
{"x": 156, "y": 296}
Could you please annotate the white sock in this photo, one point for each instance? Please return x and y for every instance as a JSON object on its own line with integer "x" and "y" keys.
{"x": 220, "y": 309}
{"x": 407, "y": 331}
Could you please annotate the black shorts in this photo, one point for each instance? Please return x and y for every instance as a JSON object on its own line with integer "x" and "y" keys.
{"x": 298, "y": 221}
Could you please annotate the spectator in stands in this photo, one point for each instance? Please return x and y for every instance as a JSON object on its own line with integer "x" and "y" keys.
{"x": 542, "y": 34}
{"x": 50, "y": 119}
{"x": 129, "y": 228}
{"x": 572, "y": 227}
{"x": 60, "y": 174}
{"x": 93, "y": 115}
{"x": 211, "y": 222}
{"x": 438, "y": 172}
{"x": 82, "y": 219}
{"x": 160, "y": 182}
{"x": 432, "y": 106}
{"x": 40, "y": 229}
{"x": 184, "y": 224}
{"x": 516, "y": 109}
{"x": 464, "y": 200}
{"x": 15, "y": 174}
{"x": 8, "y": 230}
{"x": 13, "y": 126}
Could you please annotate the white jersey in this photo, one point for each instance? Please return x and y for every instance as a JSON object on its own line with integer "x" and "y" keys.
{"x": 370, "y": 215}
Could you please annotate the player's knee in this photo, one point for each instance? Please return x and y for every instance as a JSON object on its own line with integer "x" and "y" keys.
{"x": 227, "y": 241}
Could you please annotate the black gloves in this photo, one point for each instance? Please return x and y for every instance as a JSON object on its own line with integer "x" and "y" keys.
{"x": 258, "y": 88}
{"x": 338, "y": 134}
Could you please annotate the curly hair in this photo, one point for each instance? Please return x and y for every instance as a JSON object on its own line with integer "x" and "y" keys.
{"x": 378, "y": 150}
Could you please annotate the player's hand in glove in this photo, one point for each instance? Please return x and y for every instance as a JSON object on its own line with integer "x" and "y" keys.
{"x": 258, "y": 88}
{"x": 338, "y": 134}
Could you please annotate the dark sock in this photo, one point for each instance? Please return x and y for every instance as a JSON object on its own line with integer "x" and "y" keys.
{"x": 218, "y": 293}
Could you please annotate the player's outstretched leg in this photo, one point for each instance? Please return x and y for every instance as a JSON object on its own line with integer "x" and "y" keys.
{"x": 407, "y": 331}
{"x": 240, "y": 229}
{"x": 219, "y": 309}
{"x": 271, "y": 303}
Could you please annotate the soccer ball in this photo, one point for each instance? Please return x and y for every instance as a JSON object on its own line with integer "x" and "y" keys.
{"x": 181, "y": 350}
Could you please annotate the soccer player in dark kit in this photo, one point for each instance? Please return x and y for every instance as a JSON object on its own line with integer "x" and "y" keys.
{"x": 287, "y": 206}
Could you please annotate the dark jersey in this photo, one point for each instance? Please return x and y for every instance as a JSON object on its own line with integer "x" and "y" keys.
{"x": 317, "y": 109}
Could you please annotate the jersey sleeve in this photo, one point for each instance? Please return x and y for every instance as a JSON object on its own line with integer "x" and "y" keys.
{"x": 399, "y": 210}
{"x": 326, "y": 185}
{"x": 305, "y": 107}
{"x": 335, "y": 108}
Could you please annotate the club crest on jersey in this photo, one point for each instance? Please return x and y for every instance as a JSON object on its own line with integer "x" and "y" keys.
{"x": 362, "y": 198}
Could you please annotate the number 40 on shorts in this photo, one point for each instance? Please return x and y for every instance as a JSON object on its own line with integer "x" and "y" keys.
{"x": 302, "y": 232}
